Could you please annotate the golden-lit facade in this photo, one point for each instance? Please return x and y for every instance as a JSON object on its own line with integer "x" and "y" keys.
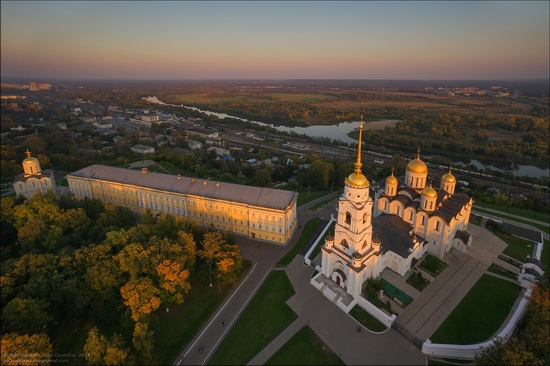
{"x": 261, "y": 213}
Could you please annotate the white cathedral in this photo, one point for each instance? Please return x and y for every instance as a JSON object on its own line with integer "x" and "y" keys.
{"x": 405, "y": 220}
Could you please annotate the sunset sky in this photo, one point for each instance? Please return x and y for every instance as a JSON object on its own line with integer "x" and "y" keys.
{"x": 275, "y": 40}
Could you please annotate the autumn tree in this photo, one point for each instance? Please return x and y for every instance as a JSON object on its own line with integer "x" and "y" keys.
{"x": 173, "y": 280}
{"x": 27, "y": 349}
{"x": 116, "y": 352}
{"x": 211, "y": 245}
{"x": 102, "y": 271}
{"x": 141, "y": 296}
{"x": 95, "y": 346}
{"x": 228, "y": 264}
{"x": 99, "y": 350}
{"x": 144, "y": 343}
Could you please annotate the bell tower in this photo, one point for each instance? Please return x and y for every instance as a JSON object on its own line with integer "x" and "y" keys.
{"x": 353, "y": 231}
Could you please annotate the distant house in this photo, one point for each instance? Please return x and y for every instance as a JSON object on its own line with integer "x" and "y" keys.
{"x": 102, "y": 125}
{"x": 87, "y": 119}
{"x": 219, "y": 151}
{"x": 143, "y": 149}
{"x": 18, "y": 128}
{"x": 150, "y": 117}
{"x": 194, "y": 145}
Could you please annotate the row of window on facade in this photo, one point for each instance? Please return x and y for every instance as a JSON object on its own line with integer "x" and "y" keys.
{"x": 22, "y": 185}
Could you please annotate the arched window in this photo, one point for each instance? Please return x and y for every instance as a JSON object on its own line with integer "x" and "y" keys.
{"x": 344, "y": 243}
{"x": 364, "y": 218}
{"x": 348, "y": 218}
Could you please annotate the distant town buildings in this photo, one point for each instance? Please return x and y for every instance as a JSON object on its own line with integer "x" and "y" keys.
{"x": 34, "y": 86}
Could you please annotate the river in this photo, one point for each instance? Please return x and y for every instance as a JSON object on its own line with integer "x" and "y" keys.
{"x": 337, "y": 132}
{"x": 341, "y": 130}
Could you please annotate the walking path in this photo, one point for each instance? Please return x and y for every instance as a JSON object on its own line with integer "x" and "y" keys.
{"x": 432, "y": 306}
{"x": 338, "y": 330}
{"x": 278, "y": 342}
{"x": 265, "y": 256}
{"x": 512, "y": 221}
{"x": 543, "y": 223}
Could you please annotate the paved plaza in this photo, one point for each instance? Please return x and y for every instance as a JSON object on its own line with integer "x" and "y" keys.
{"x": 421, "y": 318}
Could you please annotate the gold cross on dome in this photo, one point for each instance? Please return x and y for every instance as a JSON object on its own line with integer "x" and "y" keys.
{"x": 28, "y": 153}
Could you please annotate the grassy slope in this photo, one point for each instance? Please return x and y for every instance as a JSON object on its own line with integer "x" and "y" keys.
{"x": 480, "y": 313}
{"x": 305, "y": 348}
{"x": 264, "y": 318}
{"x": 309, "y": 229}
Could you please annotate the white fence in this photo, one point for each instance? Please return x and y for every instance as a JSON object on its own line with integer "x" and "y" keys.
{"x": 470, "y": 351}
{"x": 374, "y": 311}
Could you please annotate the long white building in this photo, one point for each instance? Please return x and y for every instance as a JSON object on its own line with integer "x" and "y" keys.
{"x": 262, "y": 213}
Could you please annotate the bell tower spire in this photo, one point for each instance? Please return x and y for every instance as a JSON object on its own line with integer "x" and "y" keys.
{"x": 358, "y": 164}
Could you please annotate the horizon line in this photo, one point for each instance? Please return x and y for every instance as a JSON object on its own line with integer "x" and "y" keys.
{"x": 266, "y": 79}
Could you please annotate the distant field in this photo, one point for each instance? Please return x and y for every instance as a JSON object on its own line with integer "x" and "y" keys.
{"x": 371, "y": 100}
{"x": 301, "y": 97}
{"x": 354, "y": 105}
{"x": 216, "y": 98}
{"x": 209, "y": 98}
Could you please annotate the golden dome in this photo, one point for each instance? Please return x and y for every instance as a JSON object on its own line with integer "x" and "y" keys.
{"x": 429, "y": 192}
{"x": 417, "y": 166}
{"x": 357, "y": 180}
{"x": 29, "y": 159}
{"x": 449, "y": 178}
{"x": 391, "y": 179}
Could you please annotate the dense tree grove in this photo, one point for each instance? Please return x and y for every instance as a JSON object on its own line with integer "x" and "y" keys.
{"x": 70, "y": 259}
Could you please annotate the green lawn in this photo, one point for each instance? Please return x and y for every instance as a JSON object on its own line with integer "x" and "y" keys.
{"x": 265, "y": 317}
{"x": 543, "y": 228}
{"x": 321, "y": 242}
{"x": 480, "y": 313}
{"x": 305, "y": 348}
{"x": 530, "y": 214}
{"x": 367, "y": 320}
{"x": 175, "y": 329}
{"x": 305, "y": 196}
{"x": 309, "y": 229}
{"x": 324, "y": 202}
{"x": 517, "y": 248}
